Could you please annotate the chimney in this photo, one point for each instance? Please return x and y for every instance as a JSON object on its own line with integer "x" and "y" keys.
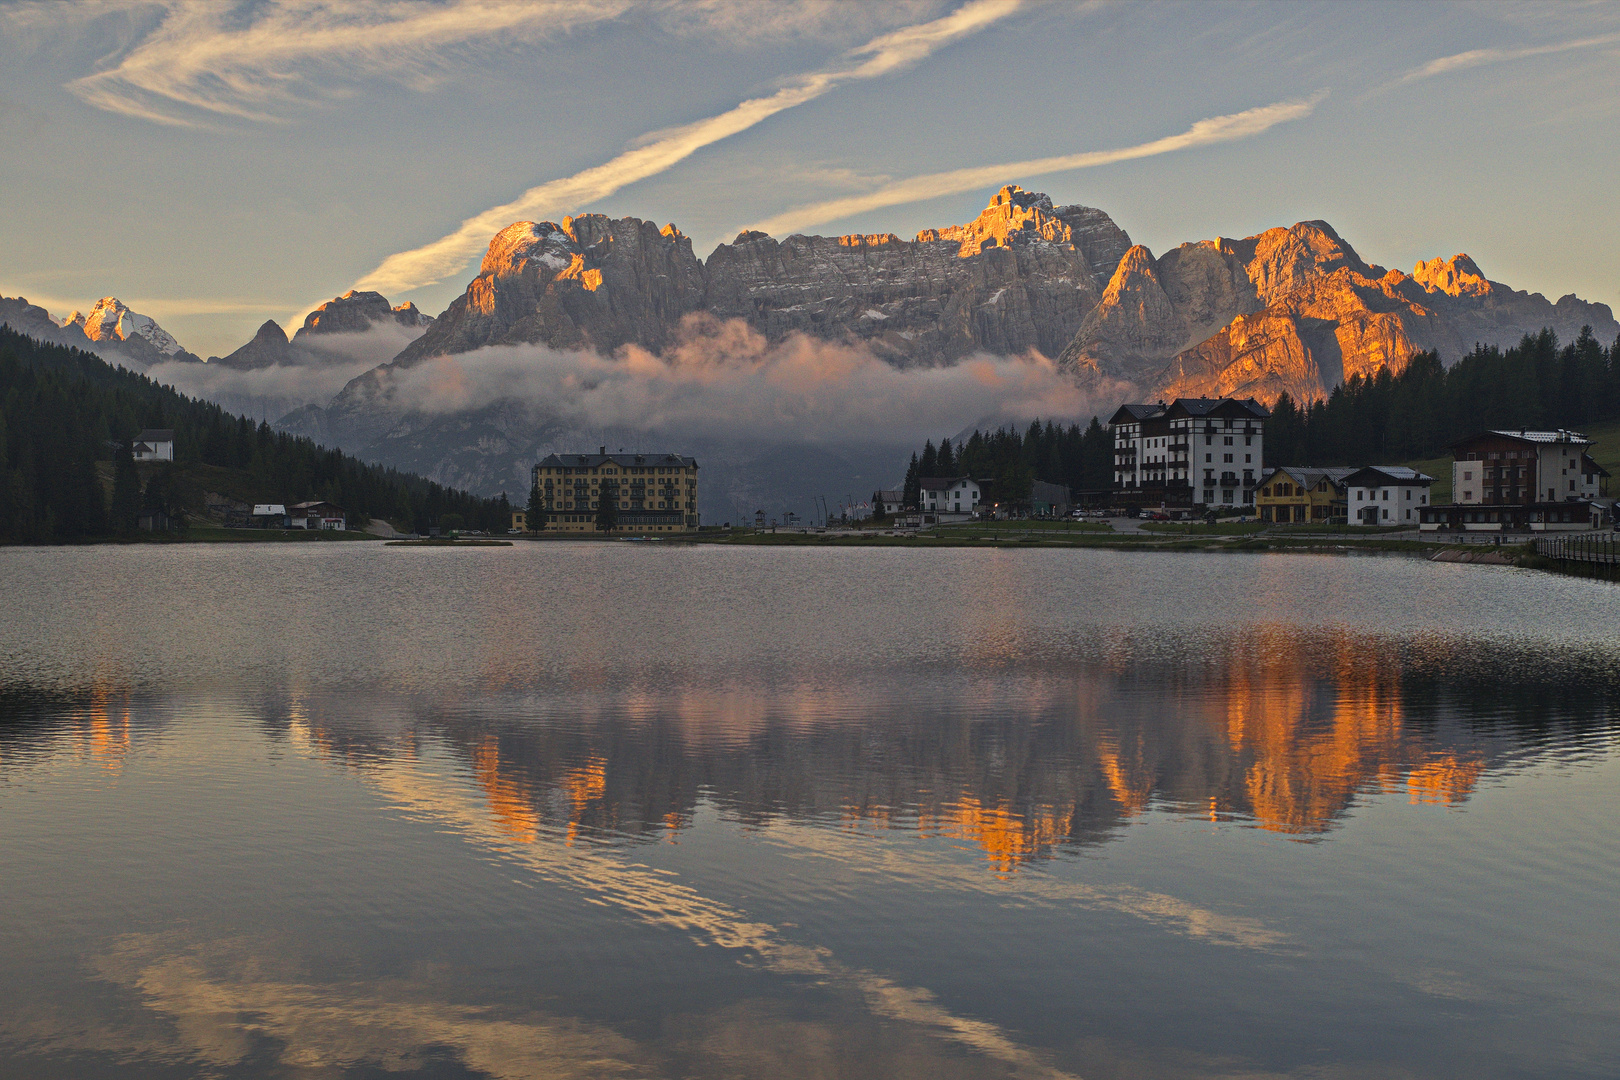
{"x": 601, "y": 451}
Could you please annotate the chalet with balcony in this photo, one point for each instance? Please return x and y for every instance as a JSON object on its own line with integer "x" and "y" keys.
{"x": 948, "y": 498}
{"x": 1192, "y": 452}
{"x": 1540, "y": 481}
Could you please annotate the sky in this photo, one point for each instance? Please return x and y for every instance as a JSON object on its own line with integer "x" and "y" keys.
{"x": 214, "y": 165}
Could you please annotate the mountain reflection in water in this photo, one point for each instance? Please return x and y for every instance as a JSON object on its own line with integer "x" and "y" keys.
{"x": 1281, "y": 730}
{"x": 290, "y": 812}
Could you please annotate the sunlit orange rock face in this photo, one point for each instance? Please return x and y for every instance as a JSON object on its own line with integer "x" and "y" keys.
{"x": 592, "y": 281}
{"x": 1296, "y": 311}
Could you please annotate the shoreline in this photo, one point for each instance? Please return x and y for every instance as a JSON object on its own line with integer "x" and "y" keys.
{"x": 1518, "y": 554}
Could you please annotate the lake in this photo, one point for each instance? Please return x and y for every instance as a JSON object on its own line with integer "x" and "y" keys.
{"x": 641, "y": 810}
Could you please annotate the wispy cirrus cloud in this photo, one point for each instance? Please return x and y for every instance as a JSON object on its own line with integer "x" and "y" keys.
{"x": 1215, "y": 129}
{"x": 190, "y": 63}
{"x": 203, "y": 60}
{"x": 1473, "y": 58}
{"x": 884, "y": 55}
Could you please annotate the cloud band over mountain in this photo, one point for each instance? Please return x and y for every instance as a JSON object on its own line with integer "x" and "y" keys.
{"x": 1215, "y": 129}
{"x": 885, "y": 55}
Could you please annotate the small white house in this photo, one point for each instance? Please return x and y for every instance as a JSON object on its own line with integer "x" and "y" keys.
{"x": 1387, "y": 495}
{"x": 949, "y": 495}
{"x": 155, "y": 444}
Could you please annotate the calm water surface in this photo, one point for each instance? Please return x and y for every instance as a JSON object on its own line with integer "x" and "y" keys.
{"x": 622, "y": 810}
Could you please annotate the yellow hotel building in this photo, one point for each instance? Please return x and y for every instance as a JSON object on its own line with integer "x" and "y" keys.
{"x": 653, "y": 493}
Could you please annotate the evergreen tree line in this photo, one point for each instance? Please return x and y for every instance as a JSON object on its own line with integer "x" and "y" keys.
{"x": 63, "y": 410}
{"x": 1384, "y": 418}
{"x": 1368, "y": 420}
{"x": 1008, "y": 460}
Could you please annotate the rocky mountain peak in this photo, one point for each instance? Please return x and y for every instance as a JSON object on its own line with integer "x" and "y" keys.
{"x": 112, "y": 320}
{"x": 271, "y": 332}
{"x": 407, "y": 314}
{"x": 1013, "y": 215}
{"x": 514, "y": 245}
{"x": 355, "y": 312}
{"x": 1456, "y": 276}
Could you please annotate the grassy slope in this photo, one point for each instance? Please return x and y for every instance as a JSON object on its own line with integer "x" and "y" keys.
{"x": 1605, "y": 451}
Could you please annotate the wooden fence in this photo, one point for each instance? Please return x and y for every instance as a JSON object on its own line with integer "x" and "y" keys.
{"x": 1597, "y": 549}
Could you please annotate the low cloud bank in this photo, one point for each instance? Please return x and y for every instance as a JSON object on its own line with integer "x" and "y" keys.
{"x": 322, "y": 364}
{"x": 722, "y": 380}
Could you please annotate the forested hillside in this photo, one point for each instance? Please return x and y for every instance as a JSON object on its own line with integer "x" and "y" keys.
{"x": 1079, "y": 458}
{"x": 63, "y": 410}
{"x": 1388, "y": 418}
{"x": 1381, "y": 419}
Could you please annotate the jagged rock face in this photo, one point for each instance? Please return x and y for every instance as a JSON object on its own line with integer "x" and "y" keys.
{"x": 1015, "y": 214}
{"x": 1015, "y": 279}
{"x": 36, "y": 322}
{"x": 1297, "y": 310}
{"x": 268, "y": 348}
{"x": 1457, "y": 276}
{"x": 1022, "y": 276}
{"x": 138, "y": 337}
{"x": 355, "y": 312}
{"x": 590, "y": 282}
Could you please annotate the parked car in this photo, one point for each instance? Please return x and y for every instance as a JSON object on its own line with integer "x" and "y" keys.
{"x": 1157, "y": 515}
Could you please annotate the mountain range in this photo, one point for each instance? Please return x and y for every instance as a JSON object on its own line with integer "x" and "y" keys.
{"x": 1293, "y": 310}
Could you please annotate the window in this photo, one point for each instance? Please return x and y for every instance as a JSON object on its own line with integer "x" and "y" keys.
{"x": 1226, "y": 459}
{"x": 1247, "y": 441}
{"x": 1248, "y": 458}
{"x": 1229, "y": 440}
{"x": 1386, "y": 494}
{"x": 1209, "y": 457}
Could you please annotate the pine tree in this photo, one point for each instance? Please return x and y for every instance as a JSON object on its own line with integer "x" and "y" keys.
{"x": 946, "y": 465}
{"x": 929, "y": 465}
{"x": 878, "y": 512}
{"x": 911, "y": 494}
{"x": 126, "y": 496}
{"x": 537, "y": 515}
{"x": 607, "y": 510}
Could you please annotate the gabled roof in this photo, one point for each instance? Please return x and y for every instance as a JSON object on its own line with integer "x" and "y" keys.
{"x": 894, "y": 495}
{"x": 1126, "y": 414}
{"x": 1387, "y": 476}
{"x": 152, "y": 435}
{"x": 1246, "y": 407}
{"x": 1573, "y": 438}
{"x": 1309, "y": 477}
{"x": 591, "y": 461}
{"x": 943, "y": 483}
